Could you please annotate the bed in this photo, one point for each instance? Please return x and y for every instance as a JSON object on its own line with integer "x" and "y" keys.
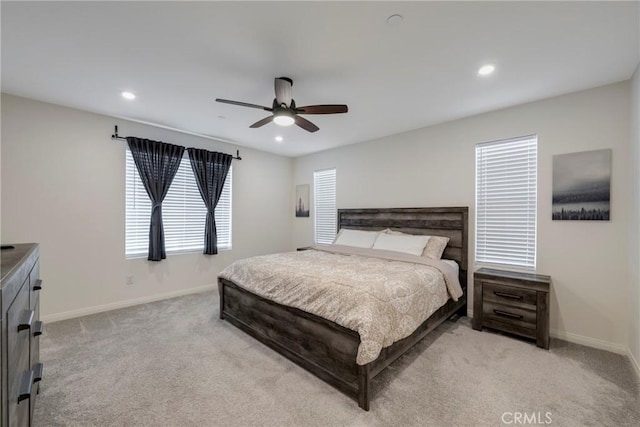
{"x": 327, "y": 349}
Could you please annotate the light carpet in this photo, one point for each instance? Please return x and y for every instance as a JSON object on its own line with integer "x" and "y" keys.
{"x": 174, "y": 363}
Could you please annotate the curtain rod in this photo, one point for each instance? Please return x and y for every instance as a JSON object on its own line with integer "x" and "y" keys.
{"x": 116, "y": 136}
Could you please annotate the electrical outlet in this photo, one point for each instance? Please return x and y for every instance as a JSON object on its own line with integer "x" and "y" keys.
{"x": 129, "y": 281}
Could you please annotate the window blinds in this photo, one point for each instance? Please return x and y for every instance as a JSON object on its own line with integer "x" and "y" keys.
{"x": 183, "y": 213}
{"x": 506, "y": 198}
{"x": 324, "y": 190}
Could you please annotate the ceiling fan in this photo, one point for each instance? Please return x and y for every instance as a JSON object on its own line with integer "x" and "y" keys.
{"x": 285, "y": 112}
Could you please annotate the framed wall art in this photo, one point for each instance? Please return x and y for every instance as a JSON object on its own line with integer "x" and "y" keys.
{"x": 302, "y": 201}
{"x": 582, "y": 186}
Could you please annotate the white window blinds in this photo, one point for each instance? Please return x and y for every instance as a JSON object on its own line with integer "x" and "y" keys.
{"x": 324, "y": 191}
{"x": 183, "y": 213}
{"x": 506, "y": 198}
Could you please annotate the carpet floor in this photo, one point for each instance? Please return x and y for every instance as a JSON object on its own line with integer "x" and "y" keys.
{"x": 174, "y": 363}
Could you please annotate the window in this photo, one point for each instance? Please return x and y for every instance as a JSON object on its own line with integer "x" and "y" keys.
{"x": 506, "y": 175}
{"x": 183, "y": 213}
{"x": 324, "y": 193}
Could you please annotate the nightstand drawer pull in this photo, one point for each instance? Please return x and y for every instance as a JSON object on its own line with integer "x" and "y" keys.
{"x": 38, "y": 285}
{"x": 505, "y": 295}
{"x": 507, "y": 314}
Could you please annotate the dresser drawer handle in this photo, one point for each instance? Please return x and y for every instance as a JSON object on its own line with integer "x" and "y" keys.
{"x": 507, "y": 314}
{"x": 26, "y": 320}
{"x": 25, "y": 386}
{"x": 38, "y": 370}
{"x": 505, "y": 295}
{"x": 38, "y": 328}
{"x": 38, "y": 285}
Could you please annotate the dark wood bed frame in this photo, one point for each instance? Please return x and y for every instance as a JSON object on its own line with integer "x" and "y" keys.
{"x": 327, "y": 349}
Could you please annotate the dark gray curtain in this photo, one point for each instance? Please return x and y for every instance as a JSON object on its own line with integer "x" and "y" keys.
{"x": 157, "y": 164}
{"x": 210, "y": 170}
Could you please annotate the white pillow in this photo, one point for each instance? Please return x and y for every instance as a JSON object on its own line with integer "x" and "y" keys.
{"x": 357, "y": 238}
{"x": 401, "y": 243}
{"x": 435, "y": 246}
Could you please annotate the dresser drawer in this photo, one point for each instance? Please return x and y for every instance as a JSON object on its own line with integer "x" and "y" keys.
{"x": 509, "y": 295}
{"x": 38, "y": 371}
{"x": 508, "y": 314}
{"x": 36, "y": 331}
{"x": 34, "y": 285}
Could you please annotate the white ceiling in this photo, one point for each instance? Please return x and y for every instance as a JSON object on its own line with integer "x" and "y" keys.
{"x": 178, "y": 57}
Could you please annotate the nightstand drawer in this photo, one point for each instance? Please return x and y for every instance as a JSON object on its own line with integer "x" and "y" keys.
{"x": 509, "y": 295}
{"x": 509, "y": 314}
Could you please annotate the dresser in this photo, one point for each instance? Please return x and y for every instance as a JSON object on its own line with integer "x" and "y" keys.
{"x": 21, "y": 369}
{"x": 517, "y": 303}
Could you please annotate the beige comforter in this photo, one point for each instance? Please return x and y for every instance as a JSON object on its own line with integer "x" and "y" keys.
{"x": 382, "y": 295}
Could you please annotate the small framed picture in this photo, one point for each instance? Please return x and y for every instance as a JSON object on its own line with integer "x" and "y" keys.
{"x": 302, "y": 201}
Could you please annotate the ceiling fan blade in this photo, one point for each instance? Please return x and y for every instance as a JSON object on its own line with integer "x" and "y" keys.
{"x": 243, "y": 104}
{"x": 262, "y": 122}
{"x": 283, "y": 90}
{"x": 322, "y": 109}
{"x": 306, "y": 124}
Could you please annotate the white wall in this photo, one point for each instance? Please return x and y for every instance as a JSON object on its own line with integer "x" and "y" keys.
{"x": 63, "y": 182}
{"x": 634, "y": 240}
{"x": 434, "y": 166}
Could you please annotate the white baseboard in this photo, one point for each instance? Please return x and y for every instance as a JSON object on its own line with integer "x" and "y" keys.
{"x": 634, "y": 362}
{"x": 122, "y": 304}
{"x": 582, "y": 340}
{"x": 590, "y": 342}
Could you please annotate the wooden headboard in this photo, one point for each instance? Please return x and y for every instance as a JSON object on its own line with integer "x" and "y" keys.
{"x": 449, "y": 222}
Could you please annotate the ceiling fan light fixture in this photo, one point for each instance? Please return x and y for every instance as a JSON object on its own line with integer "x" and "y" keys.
{"x": 283, "y": 118}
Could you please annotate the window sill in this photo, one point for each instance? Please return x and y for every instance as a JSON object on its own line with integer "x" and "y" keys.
{"x": 171, "y": 253}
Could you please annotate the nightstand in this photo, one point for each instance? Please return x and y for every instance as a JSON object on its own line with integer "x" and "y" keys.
{"x": 512, "y": 302}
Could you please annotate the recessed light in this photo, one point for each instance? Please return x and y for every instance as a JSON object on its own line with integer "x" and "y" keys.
{"x": 394, "y": 20}
{"x": 279, "y": 138}
{"x": 128, "y": 95}
{"x": 485, "y": 70}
